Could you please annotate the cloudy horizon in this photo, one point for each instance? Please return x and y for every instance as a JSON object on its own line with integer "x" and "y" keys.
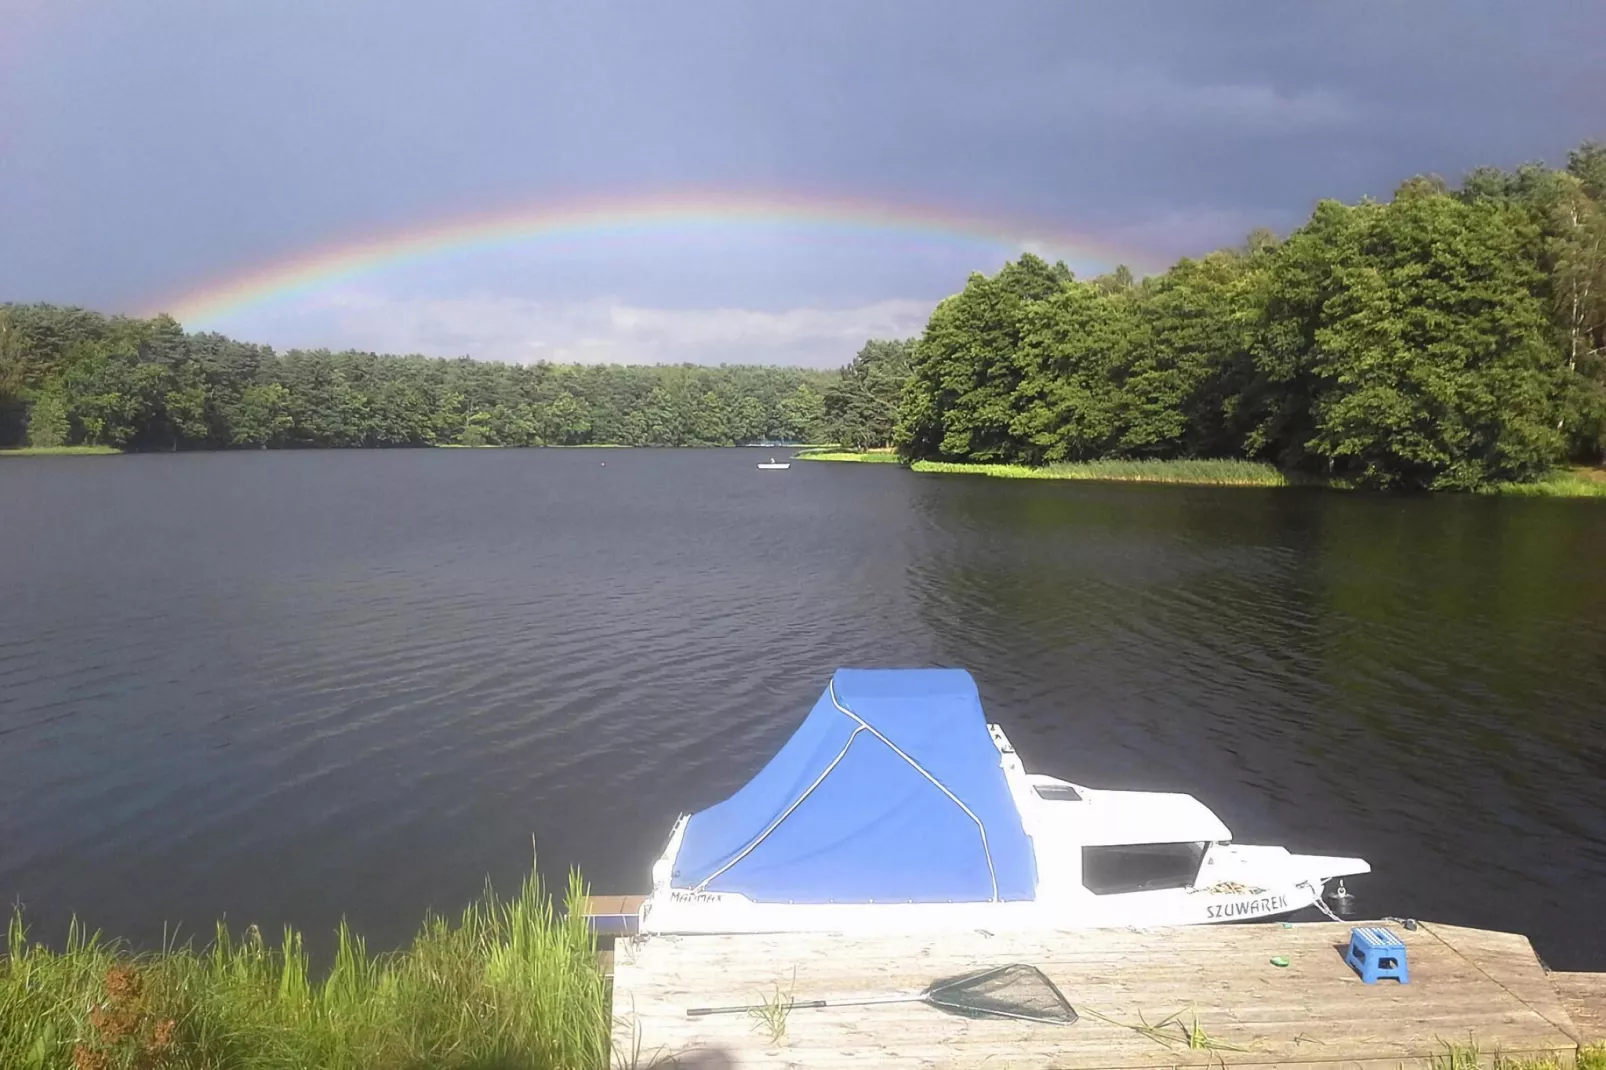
{"x": 151, "y": 151}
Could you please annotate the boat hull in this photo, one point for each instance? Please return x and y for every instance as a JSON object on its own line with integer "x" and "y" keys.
{"x": 1093, "y": 863}
{"x": 706, "y": 913}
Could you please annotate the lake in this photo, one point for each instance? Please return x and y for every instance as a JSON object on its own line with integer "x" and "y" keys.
{"x": 286, "y": 687}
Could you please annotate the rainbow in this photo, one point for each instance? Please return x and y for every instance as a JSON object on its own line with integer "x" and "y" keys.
{"x": 311, "y": 269}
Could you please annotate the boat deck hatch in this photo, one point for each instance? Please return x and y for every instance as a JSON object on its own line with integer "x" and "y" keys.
{"x": 1057, "y": 792}
{"x": 1140, "y": 867}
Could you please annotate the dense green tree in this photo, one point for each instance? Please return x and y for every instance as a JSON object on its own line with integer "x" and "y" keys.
{"x": 49, "y": 423}
{"x": 262, "y": 417}
{"x": 1445, "y": 339}
{"x": 1071, "y": 361}
{"x": 861, "y": 406}
{"x": 1577, "y": 248}
{"x": 802, "y": 415}
{"x": 13, "y": 378}
{"x": 1116, "y": 281}
{"x": 748, "y": 418}
{"x": 478, "y": 429}
{"x": 1433, "y": 358}
{"x": 563, "y": 421}
{"x": 959, "y": 402}
{"x": 1568, "y": 210}
{"x": 71, "y": 376}
{"x": 1190, "y": 337}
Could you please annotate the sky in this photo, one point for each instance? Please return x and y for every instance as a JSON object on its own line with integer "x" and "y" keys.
{"x": 227, "y": 160}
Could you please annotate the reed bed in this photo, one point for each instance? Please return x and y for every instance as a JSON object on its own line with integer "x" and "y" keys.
{"x": 59, "y": 451}
{"x": 509, "y": 985}
{"x": 1564, "y": 483}
{"x": 865, "y": 457}
{"x": 1470, "y": 1056}
{"x": 1222, "y": 473}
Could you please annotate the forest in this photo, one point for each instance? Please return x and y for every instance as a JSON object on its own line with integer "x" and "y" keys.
{"x": 1447, "y": 339}
{"x": 70, "y": 376}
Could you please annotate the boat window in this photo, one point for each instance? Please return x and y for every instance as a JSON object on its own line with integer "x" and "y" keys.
{"x": 1140, "y": 867}
{"x": 1057, "y": 792}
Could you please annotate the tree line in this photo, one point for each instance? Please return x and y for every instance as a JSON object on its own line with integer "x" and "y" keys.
{"x": 1447, "y": 338}
{"x": 70, "y": 376}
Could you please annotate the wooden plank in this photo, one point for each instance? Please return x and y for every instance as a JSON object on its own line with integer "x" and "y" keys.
{"x": 600, "y": 905}
{"x": 612, "y": 915}
{"x": 1465, "y": 983}
{"x": 1584, "y": 995}
{"x": 1509, "y": 960}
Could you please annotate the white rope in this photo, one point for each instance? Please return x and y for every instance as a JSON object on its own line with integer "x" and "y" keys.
{"x": 986, "y": 850}
{"x": 773, "y": 825}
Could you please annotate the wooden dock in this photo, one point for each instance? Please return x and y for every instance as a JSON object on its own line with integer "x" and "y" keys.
{"x": 612, "y": 915}
{"x": 1584, "y": 996}
{"x": 1468, "y": 986}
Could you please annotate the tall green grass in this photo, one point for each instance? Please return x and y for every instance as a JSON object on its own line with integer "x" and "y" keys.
{"x": 59, "y": 451}
{"x": 1563, "y": 483}
{"x": 1206, "y": 473}
{"x": 877, "y": 457}
{"x": 510, "y": 985}
{"x": 1470, "y": 1056}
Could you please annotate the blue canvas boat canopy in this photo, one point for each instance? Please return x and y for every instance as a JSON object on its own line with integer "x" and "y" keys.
{"x": 890, "y": 791}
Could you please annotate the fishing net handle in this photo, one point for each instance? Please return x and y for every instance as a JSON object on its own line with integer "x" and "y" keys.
{"x": 701, "y": 1012}
{"x": 803, "y": 1004}
{"x": 958, "y": 994}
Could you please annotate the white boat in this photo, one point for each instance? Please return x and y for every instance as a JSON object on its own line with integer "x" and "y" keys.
{"x": 776, "y": 464}
{"x": 895, "y": 807}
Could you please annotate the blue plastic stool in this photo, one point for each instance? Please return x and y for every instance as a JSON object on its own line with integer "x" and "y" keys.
{"x": 1375, "y": 952}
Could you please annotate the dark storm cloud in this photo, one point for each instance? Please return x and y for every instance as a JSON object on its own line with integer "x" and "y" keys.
{"x": 147, "y": 146}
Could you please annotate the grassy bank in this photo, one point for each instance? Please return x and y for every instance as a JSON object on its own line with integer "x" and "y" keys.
{"x": 59, "y": 451}
{"x": 866, "y": 457}
{"x": 1563, "y": 483}
{"x": 1471, "y": 1057}
{"x": 510, "y": 985}
{"x": 1201, "y": 473}
{"x": 1566, "y": 483}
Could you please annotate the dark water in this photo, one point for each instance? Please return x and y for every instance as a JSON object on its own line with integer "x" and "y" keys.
{"x": 285, "y": 687}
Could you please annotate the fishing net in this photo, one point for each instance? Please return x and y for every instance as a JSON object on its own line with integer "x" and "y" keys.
{"x": 1015, "y": 991}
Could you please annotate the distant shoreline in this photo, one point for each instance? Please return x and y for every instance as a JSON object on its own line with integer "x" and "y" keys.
{"x": 59, "y": 451}
{"x": 485, "y": 446}
{"x": 1562, "y": 483}
{"x": 1189, "y": 472}
{"x": 108, "y": 451}
{"x": 1575, "y": 482}
{"x": 864, "y": 457}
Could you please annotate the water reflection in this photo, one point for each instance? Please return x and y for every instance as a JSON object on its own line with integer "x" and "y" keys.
{"x": 296, "y": 687}
{"x": 1412, "y": 680}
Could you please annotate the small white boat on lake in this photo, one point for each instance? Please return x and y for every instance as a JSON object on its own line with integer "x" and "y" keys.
{"x": 896, "y": 807}
{"x": 776, "y": 464}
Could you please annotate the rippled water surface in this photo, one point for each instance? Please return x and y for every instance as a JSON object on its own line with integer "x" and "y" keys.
{"x": 287, "y": 687}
